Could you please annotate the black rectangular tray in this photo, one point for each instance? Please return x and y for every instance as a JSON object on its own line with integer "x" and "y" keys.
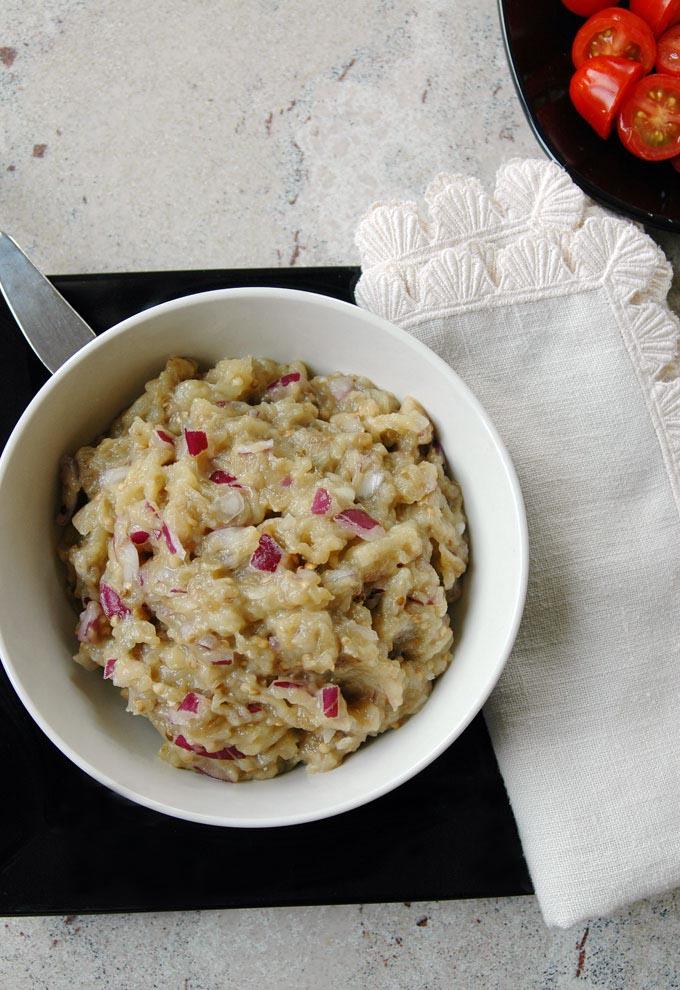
{"x": 68, "y": 845}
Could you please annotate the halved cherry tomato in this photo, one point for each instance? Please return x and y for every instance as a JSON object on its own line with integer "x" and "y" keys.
{"x": 659, "y": 14}
{"x": 586, "y": 8}
{"x": 668, "y": 51}
{"x": 598, "y": 87}
{"x": 649, "y": 122}
{"x": 675, "y": 162}
{"x": 618, "y": 33}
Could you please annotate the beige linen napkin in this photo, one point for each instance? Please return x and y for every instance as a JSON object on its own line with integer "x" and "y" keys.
{"x": 554, "y": 314}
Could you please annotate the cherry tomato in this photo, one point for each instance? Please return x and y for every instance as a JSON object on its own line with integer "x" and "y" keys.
{"x": 675, "y": 162}
{"x": 586, "y": 8}
{"x": 598, "y": 87}
{"x": 659, "y": 14}
{"x": 649, "y": 122}
{"x": 617, "y": 33}
{"x": 668, "y": 51}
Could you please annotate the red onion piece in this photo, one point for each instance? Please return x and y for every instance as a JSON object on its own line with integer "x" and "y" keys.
{"x": 172, "y": 541}
{"x": 127, "y": 556}
{"x": 215, "y": 776}
{"x": 254, "y": 708}
{"x": 321, "y": 502}
{"x": 289, "y": 684}
{"x": 109, "y": 668}
{"x": 292, "y": 376}
{"x": 256, "y": 447}
{"x": 329, "y": 700}
{"x": 223, "y": 663}
{"x": 222, "y": 478}
{"x": 87, "y": 629}
{"x": 166, "y": 437}
{"x": 228, "y": 753}
{"x": 197, "y": 441}
{"x": 360, "y": 523}
{"x": 221, "y": 403}
{"x": 113, "y": 476}
{"x": 112, "y": 603}
{"x": 267, "y": 555}
{"x": 370, "y": 483}
{"x": 171, "y": 538}
{"x": 139, "y": 536}
{"x": 178, "y": 591}
{"x": 286, "y": 482}
{"x": 190, "y": 703}
{"x": 341, "y": 387}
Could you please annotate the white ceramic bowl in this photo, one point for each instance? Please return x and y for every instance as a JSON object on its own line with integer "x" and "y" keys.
{"x": 84, "y": 716}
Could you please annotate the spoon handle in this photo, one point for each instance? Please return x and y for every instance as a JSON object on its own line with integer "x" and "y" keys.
{"x": 50, "y": 325}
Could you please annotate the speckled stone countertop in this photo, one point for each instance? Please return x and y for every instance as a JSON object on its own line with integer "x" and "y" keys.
{"x": 198, "y": 134}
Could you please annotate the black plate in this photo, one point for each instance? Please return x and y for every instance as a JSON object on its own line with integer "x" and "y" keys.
{"x": 538, "y": 35}
{"x": 68, "y": 845}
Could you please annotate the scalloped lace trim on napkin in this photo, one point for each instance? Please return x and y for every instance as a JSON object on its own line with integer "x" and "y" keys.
{"x": 536, "y": 237}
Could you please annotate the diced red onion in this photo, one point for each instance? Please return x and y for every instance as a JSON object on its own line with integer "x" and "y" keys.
{"x": 109, "y": 668}
{"x": 229, "y": 505}
{"x": 197, "y": 441}
{"x": 286, "y": 482}
{"x": 370, "y": 483}
{"x": 190, "y": 703}
{"x": 225, "y": 662}
{"x": 341, "y": 387}
{"x": 321, "y": 502}
{"x": 112, "y": 603}
{"x": 267, "y": 556}
{"x": 228, "y": 753}
{"x": 178, "y": 591}
{"x": 215, "y": 776}
{"x": 254, "y": 448}
{"x": 231, "y": 543}
{"x": 222, "y": 403}
{"x": 126, "y": 554}
{"x": 329, "y": 700}
{"x": 114, "y": 476}
{"x": 183, "y": 744}
{"x": 360, "y": 524}
{"x": 222, "y": 478}
{"x": 172, "y": 541}
{"x": 292, "y": 376}
{"x": 166, "y": 437}
{"x": 254, "y": 708}
{"x": 87, "y": 630}
{"x": 139, "y": 536}
{"x": 289, "y": 684}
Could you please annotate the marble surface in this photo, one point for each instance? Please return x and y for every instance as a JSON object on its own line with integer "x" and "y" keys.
{"x": 184, "y": 134}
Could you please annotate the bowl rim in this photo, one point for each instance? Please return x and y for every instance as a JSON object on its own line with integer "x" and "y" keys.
{"x": 595, "y": 192}
{"x": 521, "y": 563}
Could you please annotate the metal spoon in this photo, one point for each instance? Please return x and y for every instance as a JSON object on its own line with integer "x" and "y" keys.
{"x": 50, "y": 325}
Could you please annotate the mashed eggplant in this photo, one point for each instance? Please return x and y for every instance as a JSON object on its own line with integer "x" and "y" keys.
{"x": 264, "y": 563}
